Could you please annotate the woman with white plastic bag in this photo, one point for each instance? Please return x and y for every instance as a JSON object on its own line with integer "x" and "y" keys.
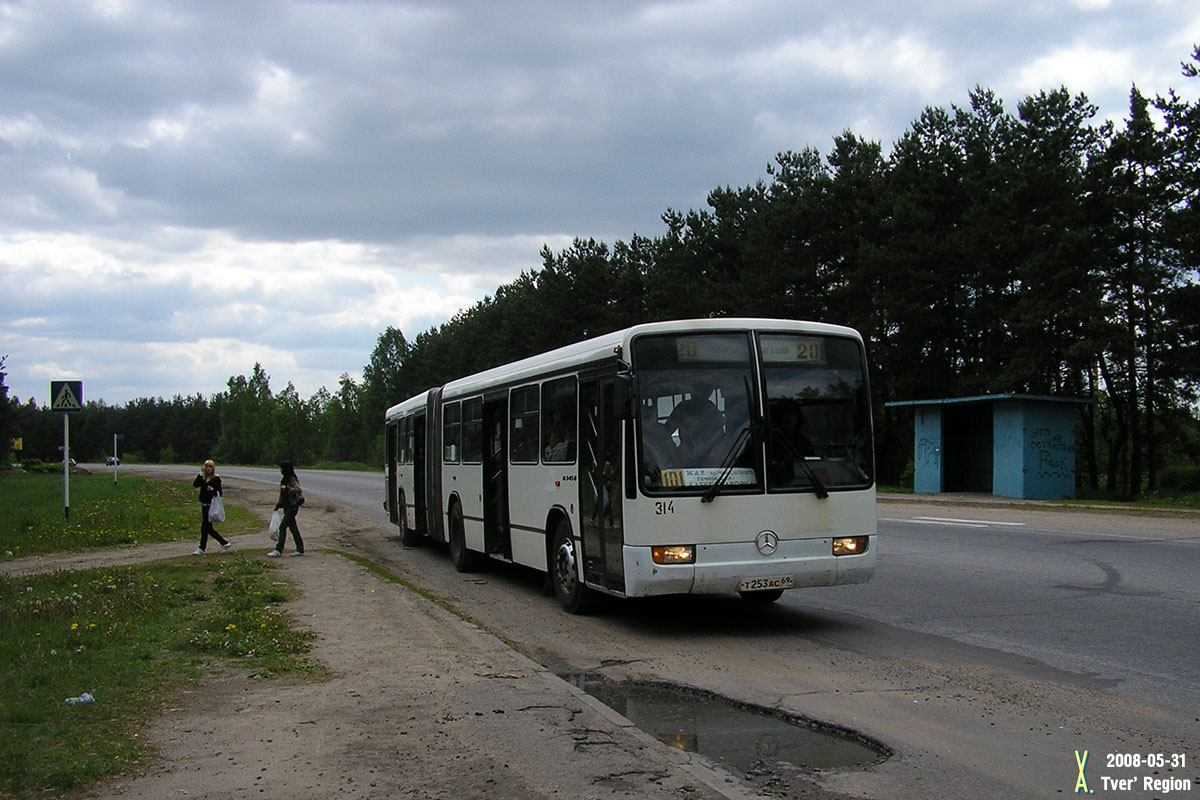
{"x": 290, "y": 500}
{"x": 209, "y": 484}
{"x": 273, "y": 525}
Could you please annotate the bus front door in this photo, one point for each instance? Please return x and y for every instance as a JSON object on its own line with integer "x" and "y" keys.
{"x": 600, "y": 485}
{"x": 496, "y": 540}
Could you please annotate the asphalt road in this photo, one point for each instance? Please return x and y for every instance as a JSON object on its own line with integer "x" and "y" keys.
{"x": 1107, "y": 596}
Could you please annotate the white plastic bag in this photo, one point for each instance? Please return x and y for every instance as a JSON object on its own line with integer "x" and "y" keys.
{"x": 273, "y": 525}
{"x": 216, "y": 509}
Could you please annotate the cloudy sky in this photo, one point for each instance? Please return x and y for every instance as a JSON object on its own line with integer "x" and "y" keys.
{"x": 187, "y": 188}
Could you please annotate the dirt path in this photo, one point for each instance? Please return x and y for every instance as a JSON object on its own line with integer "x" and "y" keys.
{"x": 421, "y": 704}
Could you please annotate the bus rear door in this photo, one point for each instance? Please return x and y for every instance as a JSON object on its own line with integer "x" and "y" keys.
{"x": 496, "y": 539}
{"x": 391, "y": 453}
{"x": 418, "y": 467}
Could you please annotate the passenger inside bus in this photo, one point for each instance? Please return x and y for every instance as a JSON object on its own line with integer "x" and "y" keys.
{"x": 602, "y": 486}
{"x": 699, "y": 425}
{"x": 559, "y": 441}
{"x": 788, "y": 442}
{"x": 659, "y": 450}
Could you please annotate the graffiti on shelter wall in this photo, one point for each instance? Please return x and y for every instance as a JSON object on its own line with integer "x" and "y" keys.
{"x": 1055, "y": 454}
{"x": 929, "y": 451}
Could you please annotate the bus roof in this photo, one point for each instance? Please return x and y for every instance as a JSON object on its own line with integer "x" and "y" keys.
{"x": 609, "y": 345}
{"x": 403, "y": 407}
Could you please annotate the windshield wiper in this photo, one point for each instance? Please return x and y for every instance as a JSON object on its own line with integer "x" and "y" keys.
{"x": 809, "y": 472}
{"x": 735, "y": 452}
{"x": 862, "y": 473}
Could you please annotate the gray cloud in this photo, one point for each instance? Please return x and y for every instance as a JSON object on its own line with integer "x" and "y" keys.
{"x": 168, "y": 163}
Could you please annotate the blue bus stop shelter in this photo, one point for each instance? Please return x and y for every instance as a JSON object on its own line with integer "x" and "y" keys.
{"x": 1010, "y": 445}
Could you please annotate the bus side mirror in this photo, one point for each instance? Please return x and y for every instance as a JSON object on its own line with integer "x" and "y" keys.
{"x": 622, "y": 395}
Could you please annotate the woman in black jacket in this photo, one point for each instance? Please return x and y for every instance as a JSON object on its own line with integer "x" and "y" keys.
{"x": 290, "y": 500}
{"x": 209, "y": 484}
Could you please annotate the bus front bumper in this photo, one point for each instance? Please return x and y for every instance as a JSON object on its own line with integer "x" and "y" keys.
{"x": 721, "y": 568}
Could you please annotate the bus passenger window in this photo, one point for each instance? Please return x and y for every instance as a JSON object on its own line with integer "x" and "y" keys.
{"x": 523, "y": 437}
{"x": 472, "y": 431}
{"x": 558, "y": 421}
{"x": 451, "y": 431}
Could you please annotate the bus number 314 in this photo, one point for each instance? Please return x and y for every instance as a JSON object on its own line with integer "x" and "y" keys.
{"x": 667, "y": 507}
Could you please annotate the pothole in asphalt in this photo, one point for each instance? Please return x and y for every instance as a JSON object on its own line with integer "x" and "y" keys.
{"x": 747, "y": 740}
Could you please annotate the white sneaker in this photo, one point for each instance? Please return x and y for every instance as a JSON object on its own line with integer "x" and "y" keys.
{"x": 297, "y": 553}
{"x": 197, "y": 552}
{"x": 274, "y": 554}
{"x": 226, "y": 546}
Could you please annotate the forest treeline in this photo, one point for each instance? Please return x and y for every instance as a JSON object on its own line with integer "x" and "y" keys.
{"x": 1045, "y": 251}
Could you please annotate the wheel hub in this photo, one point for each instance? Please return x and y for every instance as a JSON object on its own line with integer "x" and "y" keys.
{"x": 565, "y": 565}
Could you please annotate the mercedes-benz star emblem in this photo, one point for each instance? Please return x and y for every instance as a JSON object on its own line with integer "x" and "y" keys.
{"x": 767, "y": 542}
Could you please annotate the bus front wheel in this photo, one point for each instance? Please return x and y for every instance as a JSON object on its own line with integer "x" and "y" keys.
{"x": 572, "y": 594}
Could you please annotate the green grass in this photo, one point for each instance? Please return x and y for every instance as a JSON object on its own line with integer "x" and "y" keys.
{"x": 129, "y": 637}
{"x": 1167, "y": 499}
{"x": 1151, "y": 501}
{"x": 345, "y": 466}
{"x": 135, "y": 510}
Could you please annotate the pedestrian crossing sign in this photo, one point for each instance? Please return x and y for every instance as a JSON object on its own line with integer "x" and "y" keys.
{"x": 66, "y": 396}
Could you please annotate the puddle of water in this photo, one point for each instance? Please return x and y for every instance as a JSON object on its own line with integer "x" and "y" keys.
{"x": 740, "y": 737}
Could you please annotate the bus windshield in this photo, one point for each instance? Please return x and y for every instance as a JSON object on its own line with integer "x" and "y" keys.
{"x": 694, "y": 393}
{"x": 699, "y": 424}
{"x": 818, "y": 413}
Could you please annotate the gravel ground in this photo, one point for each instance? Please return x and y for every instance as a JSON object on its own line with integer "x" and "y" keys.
{"x": 421, "y": 704}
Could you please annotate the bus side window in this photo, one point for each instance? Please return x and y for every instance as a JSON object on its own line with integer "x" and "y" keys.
{"x": 451, "y": 431}
{"x": 472, "y": 431}
{"x": 558, "y": 421}
{"x": 523, "y": 437}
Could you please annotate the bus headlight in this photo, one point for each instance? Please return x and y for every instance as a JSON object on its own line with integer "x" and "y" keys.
{"x": 675, "y": 554}
{"x": 850, "y": 546}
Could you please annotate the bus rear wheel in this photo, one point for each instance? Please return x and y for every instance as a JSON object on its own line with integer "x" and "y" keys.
{"x": 408, "y": 536}
{"x": 572, "y": 595}
{"x": 464, "y": 560}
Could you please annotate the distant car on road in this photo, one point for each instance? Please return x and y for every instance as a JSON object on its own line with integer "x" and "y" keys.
{"x": 112, "y": 461}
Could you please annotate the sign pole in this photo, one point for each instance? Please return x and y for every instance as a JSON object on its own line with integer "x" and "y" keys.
{"x": 66, "y": 397}
{"x": 66, "y": 466}
{"x": 114, "y": 459}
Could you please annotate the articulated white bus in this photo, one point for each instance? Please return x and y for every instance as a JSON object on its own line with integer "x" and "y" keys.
{"x": 697, "y": 456}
